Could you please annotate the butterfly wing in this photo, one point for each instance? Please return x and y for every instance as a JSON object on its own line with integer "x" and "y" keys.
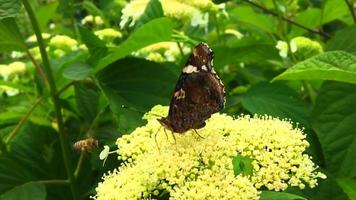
{"x": 197, "y": 96}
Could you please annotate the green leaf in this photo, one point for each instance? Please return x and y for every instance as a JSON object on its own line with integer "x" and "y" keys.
{"x": 77, "y": 71}
{"x": 334, "y": 120}
{"x": 343, "y": 40}
{"x": 32, "y": 157}
{"x": 326, "y": 189}
{"x": 309, "y": 18}
{"x": 277, "y": 100}
{"x": 242, "y": 165}
{"x": 137, "y": 84}
{"x": 97, "y": 48}
{"x": 28, "y": 191}
{"x": 157, "y": 30}
{"x": 10, "y": 36}
{"x": 90, "y": 39}
{"x": 9, "y": 8}
{"x": 153, "y": 10}
{"x": 271, "y": 195}
{"x": 87, "y": 100}
{"x": 349, "y": 187}
{"x": 334, "y": 65}
{"x": 92, "y": 9}
{"x": 45, "y": 13}
{"x": 247, "y": 15}
{"x": 334, "y": 9}
{"x": 247, "y": 52}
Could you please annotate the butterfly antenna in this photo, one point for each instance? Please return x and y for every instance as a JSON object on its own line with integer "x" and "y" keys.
{"x": 139, "y": 111}
{"x": 196, "y": 132}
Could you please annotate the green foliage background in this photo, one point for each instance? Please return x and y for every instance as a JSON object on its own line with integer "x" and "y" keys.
{"x": 103, "y": 92}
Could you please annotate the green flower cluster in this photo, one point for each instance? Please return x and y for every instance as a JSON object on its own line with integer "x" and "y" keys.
{"x": 301, "y": 48}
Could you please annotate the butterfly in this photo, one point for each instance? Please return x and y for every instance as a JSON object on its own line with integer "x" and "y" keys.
{"x": 198, "y": 94}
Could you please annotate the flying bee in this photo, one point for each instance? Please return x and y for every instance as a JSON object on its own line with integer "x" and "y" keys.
{"x": 86, "y": 145}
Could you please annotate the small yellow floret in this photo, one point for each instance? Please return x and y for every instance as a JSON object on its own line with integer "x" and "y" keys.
{"x": 63, "y": 42}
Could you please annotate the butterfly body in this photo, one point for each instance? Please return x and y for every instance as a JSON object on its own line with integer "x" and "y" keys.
{"x": 198, "y": 94}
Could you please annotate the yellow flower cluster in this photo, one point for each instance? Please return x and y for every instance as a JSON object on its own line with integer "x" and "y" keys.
{"x": 90, "y": 19}
{"x": 13, "y": 69}
{"x": 11, "y": 72}
{"x": 162, "y": 51}
{"x": 178, "y": 9}
{"x": 63, "y": 42}
{"x": 191, "y": 167}
{"x": 33, "y": 38}
{"x": 108, "y": 34}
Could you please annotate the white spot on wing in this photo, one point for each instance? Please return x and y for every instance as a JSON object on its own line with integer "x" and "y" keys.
{"x": 190, "y": 69}
{"x": 213, "y": 70}
{"x": 204, "y": 68}
{"x": 180, "y": 94}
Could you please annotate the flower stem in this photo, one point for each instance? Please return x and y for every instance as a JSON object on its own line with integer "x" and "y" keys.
{"x": 311, "y": 93}
{"x": 38, "y": 68}
{"x": 351, "y": 9}
{"x": 55, "y": 98}
{"x": 79, "y": 165}
{"x": 287, "y": 19}
{"x": 180, "y": 49}
{"x": 23, "y": 120}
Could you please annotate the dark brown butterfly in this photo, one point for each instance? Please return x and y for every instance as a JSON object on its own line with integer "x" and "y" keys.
{"x": 198, "y": 94}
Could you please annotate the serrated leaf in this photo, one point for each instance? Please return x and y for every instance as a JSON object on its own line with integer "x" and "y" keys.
{"x": 77, "y": 71}
{"x": 349, "y": 187}
{"x": 242, "y": 165}
{"x": 343, "y": 40}
{"x": 153, "y": 10}
{"x": 138, "y": 85}
{"x": 334, "y": 65}
{"x": 277, "y": 100}
{"x": 10, "y": 36}
{"x": 157, "y": 30}
{"x": 271, "y": 195}
{"x": 9, "y": 8}
{"x": 27, "y": 191}
{"x": 334, "y": 120}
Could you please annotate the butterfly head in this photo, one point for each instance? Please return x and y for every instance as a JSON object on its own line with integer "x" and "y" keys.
{"x": 202, "y": 57}
{"x": 165, "y": 123}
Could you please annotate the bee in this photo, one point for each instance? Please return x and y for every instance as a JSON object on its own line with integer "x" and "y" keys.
{"x": 86, "y": 145}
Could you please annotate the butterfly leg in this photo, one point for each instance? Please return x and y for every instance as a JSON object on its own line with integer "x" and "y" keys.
{"x": 196, "y": 132}
{"x": 165, "y": 132}
{"x": 174, "y": 137}
{"x": 156, "y": 138}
